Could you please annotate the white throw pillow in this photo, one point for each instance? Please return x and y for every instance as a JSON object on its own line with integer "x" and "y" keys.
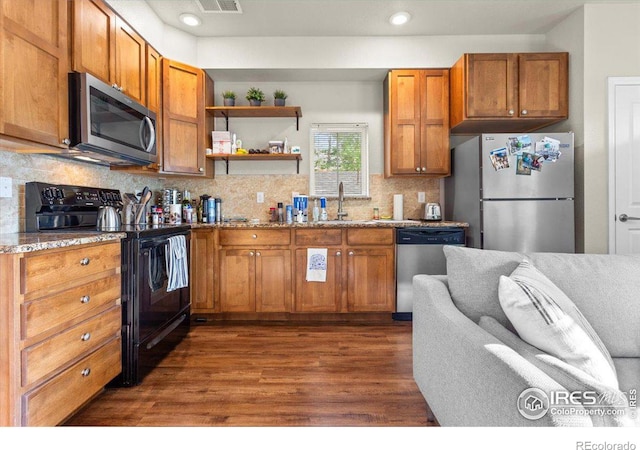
{"x": 532, "y": 303}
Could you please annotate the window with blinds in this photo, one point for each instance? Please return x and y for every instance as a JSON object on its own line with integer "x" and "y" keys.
{"x": 339, "y": 153}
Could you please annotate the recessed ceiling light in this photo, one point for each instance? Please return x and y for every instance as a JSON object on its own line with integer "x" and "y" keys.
{"x": 400, "y": 18}
{"x": 190, "y": 19}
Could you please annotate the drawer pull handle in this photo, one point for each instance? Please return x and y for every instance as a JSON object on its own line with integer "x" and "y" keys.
{"x": 255, "y": 236}
{"x": 86, "y": 372}
{"x": 85, "y": 261}
{"x": 85, "y": 299}
{"x": 85, "y": 337}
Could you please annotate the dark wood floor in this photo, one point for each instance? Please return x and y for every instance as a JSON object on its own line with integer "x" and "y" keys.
{"x": 273, "y": 374}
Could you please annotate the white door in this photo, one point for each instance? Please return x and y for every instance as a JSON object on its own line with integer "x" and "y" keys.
{"x": 624, "y": 165}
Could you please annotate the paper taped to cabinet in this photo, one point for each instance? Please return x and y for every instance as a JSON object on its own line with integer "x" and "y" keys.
{"x": 317, "y": 264}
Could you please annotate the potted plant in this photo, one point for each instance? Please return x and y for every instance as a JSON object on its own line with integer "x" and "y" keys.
{"x": 255, "y": 96}
{"x": 229, "y": 98}
{"x": 279, "y": 97}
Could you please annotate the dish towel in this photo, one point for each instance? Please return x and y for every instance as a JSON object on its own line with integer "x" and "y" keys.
{"x": 317, "y": 264}
{"x": 176, "y": 258}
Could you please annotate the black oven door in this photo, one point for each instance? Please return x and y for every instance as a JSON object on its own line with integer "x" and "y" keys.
{"x": 155, "y": 320}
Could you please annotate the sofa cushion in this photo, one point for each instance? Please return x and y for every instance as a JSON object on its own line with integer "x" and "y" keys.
{"x": 606, "y": 289}
{"x": 473, "y": 276}
{"x": 572, "y": 379}
{"x": 546, "y": 318}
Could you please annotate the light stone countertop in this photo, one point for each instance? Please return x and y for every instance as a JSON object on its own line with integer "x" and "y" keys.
{"x": 334, "y": 224}
{"x": 31, "y": 242}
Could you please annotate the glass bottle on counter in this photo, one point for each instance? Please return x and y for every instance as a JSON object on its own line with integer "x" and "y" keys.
{"x": 316, "y": 211}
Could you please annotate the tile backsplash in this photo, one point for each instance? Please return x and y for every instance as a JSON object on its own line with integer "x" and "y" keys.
{"x": 238, "y": 192}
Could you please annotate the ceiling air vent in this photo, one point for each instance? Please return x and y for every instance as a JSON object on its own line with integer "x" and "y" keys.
{"x": 219, "y": 6}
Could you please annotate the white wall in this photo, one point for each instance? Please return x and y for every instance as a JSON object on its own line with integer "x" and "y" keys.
{"x": 611, "y": 48}
{"x": 569, "y": 36}
{"x": 353, "y": 52}
{"x": 321, "y": 102}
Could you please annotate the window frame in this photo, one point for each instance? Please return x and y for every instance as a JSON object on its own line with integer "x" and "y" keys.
{"x": 348, "y": 127}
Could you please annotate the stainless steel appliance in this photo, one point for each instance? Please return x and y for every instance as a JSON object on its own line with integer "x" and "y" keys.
{"x": 154, "y": 318}
{"x": 419, "y": 251}
{"x": 516, "y": 191}
{"x": 431, "y": 212}
{"x": 106, "y": 127}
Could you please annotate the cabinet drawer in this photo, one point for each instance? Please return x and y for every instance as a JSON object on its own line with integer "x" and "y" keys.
{"x": 370, "y": 236}
{"x": 310, "y": 238}
{"x": 45, "y": 357}
{"x": 54, "y": 401}
{"x": 255, "y": 237}
{"x": 83, "y": 301}
{"x": 50, "y": 271}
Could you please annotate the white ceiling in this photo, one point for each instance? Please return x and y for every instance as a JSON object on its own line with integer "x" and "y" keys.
{"x": 370, "y": 17}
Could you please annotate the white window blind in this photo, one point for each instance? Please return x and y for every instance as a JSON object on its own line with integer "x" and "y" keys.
{"x": 339, "y": 153}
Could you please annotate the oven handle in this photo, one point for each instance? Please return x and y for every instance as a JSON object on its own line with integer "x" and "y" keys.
{"x": 167, "y": 330}
{"x": 160, "y": 240}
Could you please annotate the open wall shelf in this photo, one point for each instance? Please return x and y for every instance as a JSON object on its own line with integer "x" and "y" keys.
{"x": 258, "y": 157}
{"x": 255, "y": 111}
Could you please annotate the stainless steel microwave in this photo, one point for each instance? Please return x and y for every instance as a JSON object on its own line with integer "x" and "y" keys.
{"x": 107, "y": 127}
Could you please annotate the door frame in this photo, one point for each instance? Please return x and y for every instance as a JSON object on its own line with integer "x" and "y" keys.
{"x": 614, "y": 82}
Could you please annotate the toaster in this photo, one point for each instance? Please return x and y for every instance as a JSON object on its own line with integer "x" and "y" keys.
{"x": 431, "y": 211}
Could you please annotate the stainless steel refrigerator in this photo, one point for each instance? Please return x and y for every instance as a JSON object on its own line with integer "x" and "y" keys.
{"x": 516, "y": 191}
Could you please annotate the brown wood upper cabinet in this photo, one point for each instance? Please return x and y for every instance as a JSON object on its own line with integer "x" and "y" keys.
{"x": 185, "y": 127}
{"x": 508, "y": 92}
{"x": 417, "y": 123}
{"x": 33, "y": 74}
{"x": 108, "y": 48}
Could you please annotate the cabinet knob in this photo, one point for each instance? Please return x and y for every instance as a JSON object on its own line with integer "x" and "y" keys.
{"x": 201, "y": 169}
{"x": 66, "y": 141}
{"x": 115, "y": 86}
{"x": 338, "y": 253}
{"x": 257, "y": 253}
{"x": 424, "y": 169}
{"x": 524, "y": 112}
{"x": 417, "y": 169}
{"x": 511, "y": 112}
{"x": 85, "y": 261}
{"x": 85, "y": 337}
{"x": 251, "y": 253}
{"x": 254, "y": 236}
{"x": 350, "y": 253}
{"x": 85, "y": 299}
{"x": 86, "y": 372}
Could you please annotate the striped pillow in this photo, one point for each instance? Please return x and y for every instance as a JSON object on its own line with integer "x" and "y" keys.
{"x": 546, "y": 318}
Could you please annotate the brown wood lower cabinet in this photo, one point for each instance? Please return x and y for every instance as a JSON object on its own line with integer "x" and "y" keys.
{"x": 312, "y": 296}
{"x": 370, "y": 279}
{"x": 60, "y": 327}
{"x": 255, "y": 278}
{"x": 251, "y": 270}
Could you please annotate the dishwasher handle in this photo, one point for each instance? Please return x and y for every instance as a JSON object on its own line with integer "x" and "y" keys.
{"x": 430, "y": 236}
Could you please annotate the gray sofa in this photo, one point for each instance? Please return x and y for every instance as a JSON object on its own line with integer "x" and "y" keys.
{"x": 471, "y": 366}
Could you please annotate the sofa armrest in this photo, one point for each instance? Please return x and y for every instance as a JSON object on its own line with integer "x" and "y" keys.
{"x": 467, "y": 376}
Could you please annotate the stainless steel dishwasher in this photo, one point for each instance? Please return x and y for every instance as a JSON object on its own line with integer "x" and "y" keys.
{"x": 419, "y": 251}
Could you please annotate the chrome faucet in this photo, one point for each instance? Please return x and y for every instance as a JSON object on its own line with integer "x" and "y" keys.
{"x": 341, "y": 212}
